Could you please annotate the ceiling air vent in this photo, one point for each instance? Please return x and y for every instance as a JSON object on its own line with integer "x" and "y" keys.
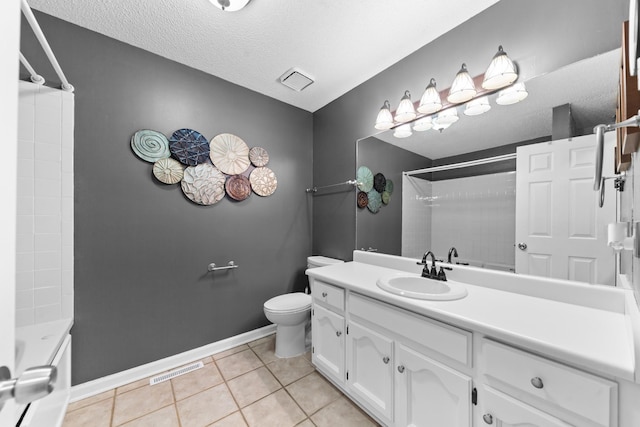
{"x": 295, "y": 79}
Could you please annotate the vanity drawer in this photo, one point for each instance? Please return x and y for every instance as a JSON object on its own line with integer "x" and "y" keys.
{"x": 442, "y": 339}
{"x": 328, "y": 294}
{"x": 524, "y": 374}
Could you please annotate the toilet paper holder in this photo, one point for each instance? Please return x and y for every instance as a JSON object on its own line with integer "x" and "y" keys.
{"x": 623, "y": 236}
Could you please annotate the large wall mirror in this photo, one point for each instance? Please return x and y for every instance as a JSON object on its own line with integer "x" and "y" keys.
{"x": 474, "y": 208}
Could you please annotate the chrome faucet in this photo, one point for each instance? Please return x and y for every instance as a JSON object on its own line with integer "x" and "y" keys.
{"x": 453, "y": 251}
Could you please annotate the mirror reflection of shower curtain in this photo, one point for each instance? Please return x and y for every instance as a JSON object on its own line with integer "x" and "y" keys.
{"x": 475, "y": 214}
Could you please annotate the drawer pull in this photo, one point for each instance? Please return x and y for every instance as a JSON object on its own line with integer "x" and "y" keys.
{"x": 488, "y": 418}
{"x": 401, "y": 368}
{"x": 385, "y": 359}
{"x": 537, "y": 382}
{"x": 324, "y": 295}
{"x": 338, "y": 333}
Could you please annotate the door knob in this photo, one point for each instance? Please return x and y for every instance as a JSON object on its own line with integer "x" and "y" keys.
{"x": 34, "y": 383}
{"x": 385, "y": 359}
{"x": 522, "y": 246}
{"x": 338, "y": 333}
{"x": 401, "y": 368}
{"x": 488, "y": 418}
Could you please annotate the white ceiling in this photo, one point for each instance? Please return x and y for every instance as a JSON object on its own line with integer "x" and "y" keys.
{"x": 340, "y": 44}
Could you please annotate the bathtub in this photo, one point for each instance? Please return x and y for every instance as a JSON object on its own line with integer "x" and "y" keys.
{"x": 46, "y": 344}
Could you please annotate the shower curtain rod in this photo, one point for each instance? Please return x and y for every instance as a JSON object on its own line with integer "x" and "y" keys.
{"x": 35, "y": 77}
{"x": 28, "y": 13}
{"x": 462, "y": 164}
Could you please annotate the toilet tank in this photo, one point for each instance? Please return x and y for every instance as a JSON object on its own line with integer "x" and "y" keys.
{"x": 321, "y": 261}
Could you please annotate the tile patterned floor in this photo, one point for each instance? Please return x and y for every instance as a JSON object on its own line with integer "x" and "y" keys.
{"x": 240, "y": 387}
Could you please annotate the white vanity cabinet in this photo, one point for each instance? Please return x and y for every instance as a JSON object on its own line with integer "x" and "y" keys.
{"x": 521, "y": 387}
{"x": 328, "y": 330}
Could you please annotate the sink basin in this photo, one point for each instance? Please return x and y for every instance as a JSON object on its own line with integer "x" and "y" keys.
{"x": 414, "y": 286}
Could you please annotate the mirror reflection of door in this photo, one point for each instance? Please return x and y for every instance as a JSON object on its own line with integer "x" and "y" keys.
{"x": 560, "y": 230}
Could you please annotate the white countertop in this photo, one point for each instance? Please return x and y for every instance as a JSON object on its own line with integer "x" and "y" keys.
{"x": 37, "y": 345}
{"x": 595, "y": 338}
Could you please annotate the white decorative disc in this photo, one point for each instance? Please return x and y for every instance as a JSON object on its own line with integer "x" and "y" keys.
{"x": 168, "y": 171}
{"x": 259, "y": 156}
{"x": 263, "y": 181}
{"x": 229, "y": 153}
{"x": 203, "y": 184}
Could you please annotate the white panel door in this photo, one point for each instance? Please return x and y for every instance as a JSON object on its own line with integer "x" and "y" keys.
{"x": 503, "y": 411}
{"x": 10, "y": 24}
{"x": 370, "y": 369}
{"x": 328, "y": 342}
{"x": 429, "y": 393}
{"x": 560, "y": 230}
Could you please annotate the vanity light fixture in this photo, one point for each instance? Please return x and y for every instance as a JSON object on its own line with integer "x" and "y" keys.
{"x": 477, "y": 106}
{"x": 384, "y": 120}
{"x": 512, "y": 94}
{"x": 462, "y": 88}
{"x": 501, "y": 71}
{"x": 402, "y": 131}
{"x": 431, "y": 112}
{"x": 405, "y": 112}
{"x": 430, "y": 101}
{"x": 230, "y": 5}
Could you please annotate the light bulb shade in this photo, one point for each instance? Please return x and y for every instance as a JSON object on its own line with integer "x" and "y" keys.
{"x": 430, "y": 101}
{"x": 512, "y": 94}
{"x": 384, "y": 120}
{"x": 230, "y": 5}
{"x": 403, "y": 131}
{"x": 446, "y": 117}
{"x": 423, "y": 124}
{"x": 462, "y": 88}
{"x": 501, "y": 72}
{"x": 477, "y": 106}
{"x": 405, "y": 112}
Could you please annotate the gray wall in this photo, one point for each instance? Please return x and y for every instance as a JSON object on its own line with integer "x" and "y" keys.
{"x": 383, "y": 230}
{"x": 142, "y": 290}
{"x": 545, "y": 35}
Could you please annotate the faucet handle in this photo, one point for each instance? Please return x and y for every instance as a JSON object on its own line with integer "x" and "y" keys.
{"x": 441, "y": 275}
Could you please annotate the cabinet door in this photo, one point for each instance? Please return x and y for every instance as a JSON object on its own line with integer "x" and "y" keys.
{"x": 370, "y": 369}
{"x": 500, "y": 410}
{"x": 429, "y": 393}
{"x": 327, "y": 337}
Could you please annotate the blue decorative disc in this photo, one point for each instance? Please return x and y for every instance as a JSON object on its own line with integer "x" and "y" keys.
{"x": 189, "y": 147}
{"x": 375, "y": 201}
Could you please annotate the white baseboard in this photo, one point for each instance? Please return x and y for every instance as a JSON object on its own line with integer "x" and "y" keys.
{"x": 100, "y": 385}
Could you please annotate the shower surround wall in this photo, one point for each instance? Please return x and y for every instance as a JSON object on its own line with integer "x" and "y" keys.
{"x": 44, "y": 258}
{"x": 142, "y": 289}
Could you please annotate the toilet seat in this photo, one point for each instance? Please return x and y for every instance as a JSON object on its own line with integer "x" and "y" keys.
{"x": 289, "y": 303}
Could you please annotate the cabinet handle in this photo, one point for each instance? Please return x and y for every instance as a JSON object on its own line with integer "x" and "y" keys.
{"x": 338, "y": 333}
{"x": 537, "y": 382}
{"x": 488, "y": 418}
{"x": 401, "y": 368}
{"x": 324, "y": 295}
{"x": 385, "y": 359}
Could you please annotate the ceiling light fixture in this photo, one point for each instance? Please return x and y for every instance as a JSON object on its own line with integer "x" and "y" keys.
{"x": 230, "y": 5}
{"x": 432, "y": 113}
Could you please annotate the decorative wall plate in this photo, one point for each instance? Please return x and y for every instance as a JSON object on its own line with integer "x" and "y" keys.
{"x": 389, "y": 187}
{"x": 168, "y": 171}
{"x": 386, "y": 197}
{"x": 263, "y": 181}
{"x": 229, "y": 153}
{"x": 379, "y": 182}
{"x": 375, "y": 201}
{"x": 203, "y": 184}
{"x": 363, "y": 200}
{"x": 189, "y": 147}
{"x": 259, "y": 156}
{"x": 150, "y": 145}
{"x": 238, "y": 187}
{"x": 364, "y": 178}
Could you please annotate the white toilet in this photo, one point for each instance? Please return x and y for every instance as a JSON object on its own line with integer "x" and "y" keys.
{"x": 291, "y": 313}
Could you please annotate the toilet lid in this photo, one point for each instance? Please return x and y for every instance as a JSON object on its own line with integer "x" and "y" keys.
{"x": 289, "y": 302}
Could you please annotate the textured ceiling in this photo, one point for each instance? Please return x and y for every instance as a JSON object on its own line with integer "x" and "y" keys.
{"x": 590, "y": 86}
{"x": 340, "y": 44}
